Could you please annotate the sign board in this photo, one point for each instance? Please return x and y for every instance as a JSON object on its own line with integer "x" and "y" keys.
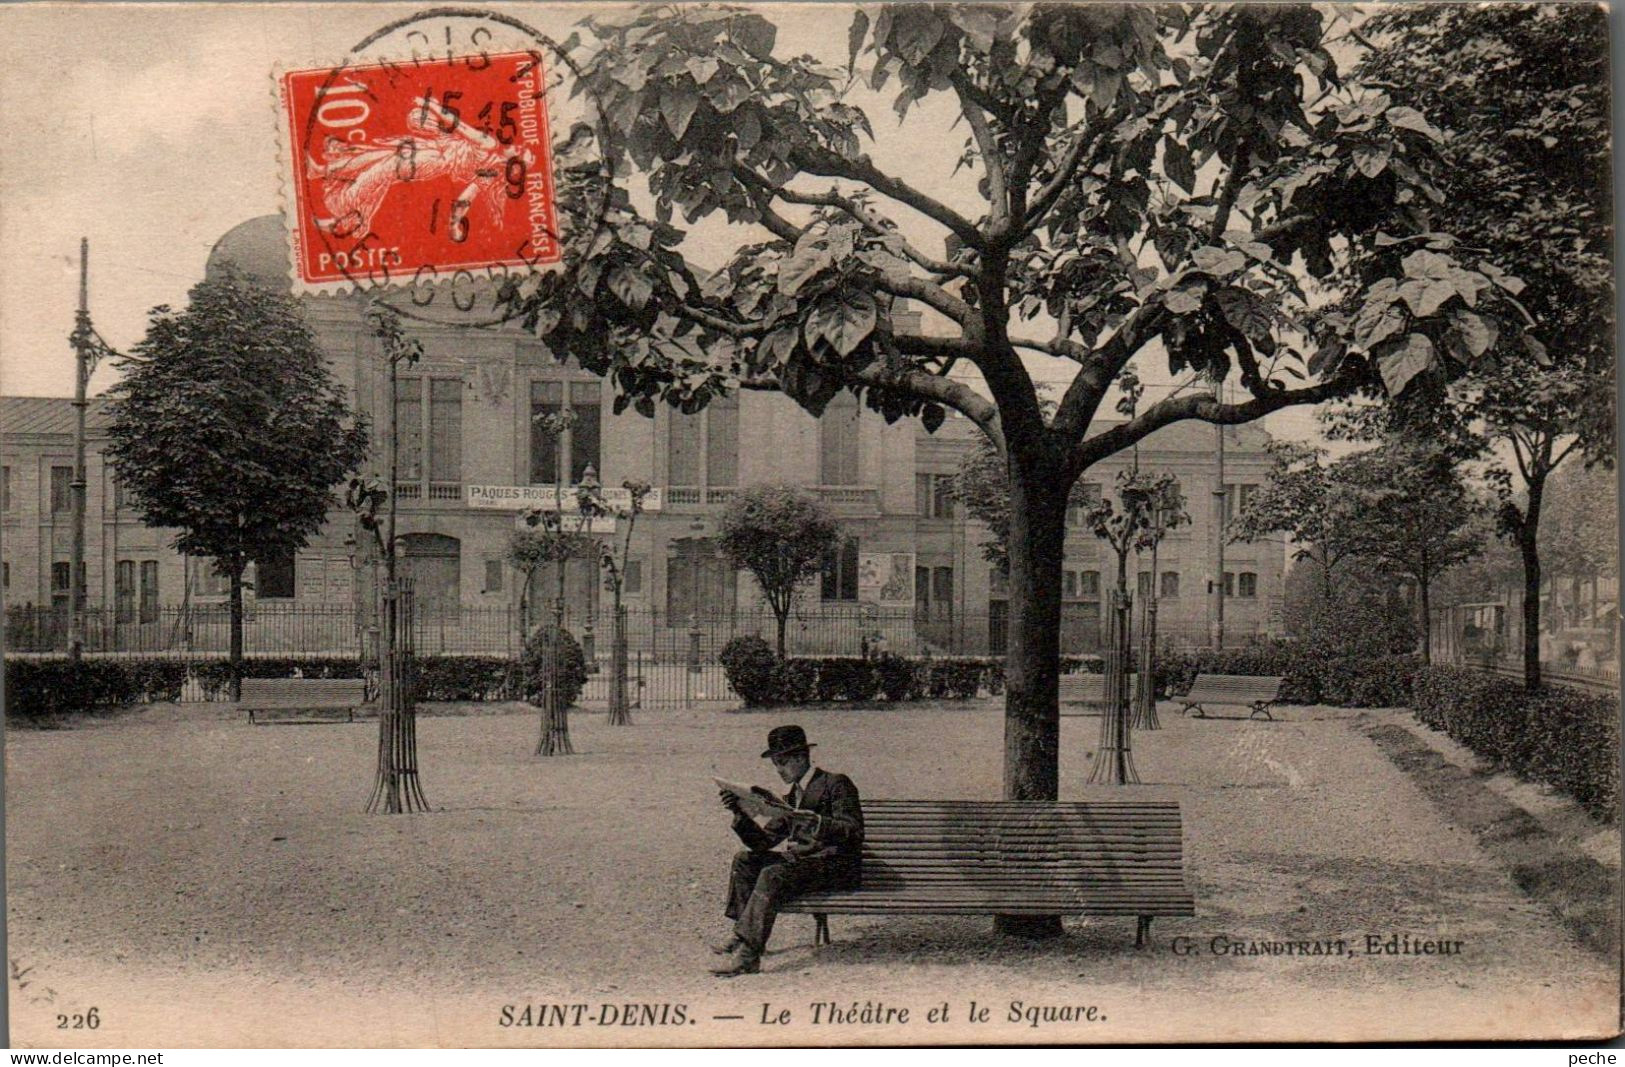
{"x": 886, "y": 578}
{"x": 523, "y": 497}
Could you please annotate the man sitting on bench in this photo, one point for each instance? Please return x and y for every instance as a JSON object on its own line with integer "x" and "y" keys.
{"x": 824, "y": 848}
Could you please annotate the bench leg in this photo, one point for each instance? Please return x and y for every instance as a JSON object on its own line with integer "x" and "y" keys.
{"x": 820, "y": 930}
{"x": 1262, "y": 708}
{"x": 1142, "y": 931}
{"x": 1200, "y": 713}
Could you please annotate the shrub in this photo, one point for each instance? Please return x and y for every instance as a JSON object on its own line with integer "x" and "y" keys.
{"x": 752, "y": 669}
{"x": 552, "y": 653}
{"x": 1565, "y": 739}
{"x": 897, "y": 676}
{"x": 465, "y": 678}
{"x": 38, "y": 690}
{"x": 1308, "y": 675}
{"x": 954, "y": 678}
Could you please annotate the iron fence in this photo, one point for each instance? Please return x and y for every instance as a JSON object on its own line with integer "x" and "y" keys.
{"x": 658, "y": 636}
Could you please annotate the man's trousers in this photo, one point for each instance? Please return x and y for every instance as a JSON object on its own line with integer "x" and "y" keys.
{"x": 762, "y": 882}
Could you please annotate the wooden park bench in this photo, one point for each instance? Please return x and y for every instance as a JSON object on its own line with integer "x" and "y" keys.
{"x": 302, "y": 700}
{"x": 1244, "y": 690}
{"x": 970, "y": 857}
{"x": 1088, "y": 691}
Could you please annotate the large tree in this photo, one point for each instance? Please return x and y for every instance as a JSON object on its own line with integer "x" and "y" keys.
{"x": 1523, "y": 91}
{"x": 1144, "y": 181}
{"x": 228, "y": 427}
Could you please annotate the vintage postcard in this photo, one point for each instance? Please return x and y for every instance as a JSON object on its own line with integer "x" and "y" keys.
{"x": 1129, "y": 489}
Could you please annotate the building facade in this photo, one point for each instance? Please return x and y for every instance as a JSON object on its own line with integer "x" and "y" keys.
{"x": 912, "y": 569}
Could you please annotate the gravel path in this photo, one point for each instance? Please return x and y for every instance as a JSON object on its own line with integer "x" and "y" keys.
{"x": 203, "y": 881}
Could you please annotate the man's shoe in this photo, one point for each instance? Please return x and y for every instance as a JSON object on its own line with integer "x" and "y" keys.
{"x": 743, "y": 960}
{"x": 726, "y": 947}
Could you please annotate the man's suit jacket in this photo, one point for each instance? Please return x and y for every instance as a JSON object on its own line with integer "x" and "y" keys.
{"x": 839, "y": 836}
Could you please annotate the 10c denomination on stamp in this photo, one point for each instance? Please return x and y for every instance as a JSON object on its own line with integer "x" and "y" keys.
{"x": 404, "y": 173}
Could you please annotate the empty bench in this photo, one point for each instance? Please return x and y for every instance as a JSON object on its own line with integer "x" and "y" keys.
{"x": 1254, "y": 691}
{"x": 1089, "y": 691}
{"x": 302, "y": 700}
{"x": 967, "y": 857}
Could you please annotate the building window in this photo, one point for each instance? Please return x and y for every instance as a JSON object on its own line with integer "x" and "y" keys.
{"x": 149, "y": 590}
{"x": 838, "y": 442}
{"x": 5, "y": 488}
{"x": 124, "y": 591}
{"x": 703, "y": 448}
{"x": 493, "y": 576}
{"x": 1237, "y": 495}
{"x": 118, "y": 495}
{"x": 445, "y": 429}
{"x": 210, "y": 582}
{"x": 934, "y": 591}
{"x": 841, "y": 572}
{"x": 998, "y": 581}
{"x": 1247, "y": 585}
{"x": 61, "y": 489}
{"x": 1142, "y": 583}
{"x": 60, "y": 594}
{"x": 1170, "y": 583}
{"x": 1229, "y": 584}
{"x": 441, "y": 400}
{"x": 1080, "y": 585}
{"x": 632, "y": 579}
{"x": 934, "y": 496}
{"x": 576, "y": 448}
{"x": 5, "y": 576}
{"x": 273, "y": 575}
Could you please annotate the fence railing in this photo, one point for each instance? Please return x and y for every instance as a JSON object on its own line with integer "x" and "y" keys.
{"x": 291, "y": 628}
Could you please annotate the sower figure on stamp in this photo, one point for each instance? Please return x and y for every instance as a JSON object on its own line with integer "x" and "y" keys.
{"x": 823, "y": 841}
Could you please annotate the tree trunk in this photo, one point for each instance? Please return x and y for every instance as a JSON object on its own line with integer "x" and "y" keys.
{"x": 620, "y": 712}
{"x": 783, "y": 619}
{"x": 1530, "y": 554}
{"x": 235, "y": 656}
{"x": 1427, "y": 622}
{"x": 555, "y": 739}
{"x": 1031, "y": 713}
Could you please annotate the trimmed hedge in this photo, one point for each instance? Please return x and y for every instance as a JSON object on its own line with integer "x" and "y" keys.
{"x": 1562, "y": 738}
{"x": 1308, "y": 675}
{"x": 39, "y": 690}
{"x": 762, "y": 680}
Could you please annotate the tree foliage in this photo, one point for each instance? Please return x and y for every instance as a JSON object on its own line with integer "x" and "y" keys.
{"x": 1145, "y": 508}
{"x": 1145, "y": 178}
{"x": 1524, "y": 91}
{"x": 1301, "y": 498}
{"x": 782, "y": 537}
{"x": 228, "y": 428}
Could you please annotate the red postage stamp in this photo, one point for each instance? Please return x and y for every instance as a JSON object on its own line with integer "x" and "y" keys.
{"x": 404, "y": 173}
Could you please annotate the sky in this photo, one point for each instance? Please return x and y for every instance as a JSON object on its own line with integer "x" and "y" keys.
{"x": 150, "y": 129}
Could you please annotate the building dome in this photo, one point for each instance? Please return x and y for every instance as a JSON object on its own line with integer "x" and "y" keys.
{"x": 258, "y": 249}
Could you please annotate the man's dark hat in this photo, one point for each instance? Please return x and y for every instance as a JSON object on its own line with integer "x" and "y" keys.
{"x": 783, "y": 740}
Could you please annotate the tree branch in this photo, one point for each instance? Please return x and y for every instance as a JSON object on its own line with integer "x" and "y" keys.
{"x": 858, "y": 213}
{"x": 917, "y": 383}
{"x": 1206, "y": 408}
{"x": 822, "y": 161}
{"x": 1087, "y": 141}
{"x": 1100, "y": 369}
{"x": 998, "y": 194}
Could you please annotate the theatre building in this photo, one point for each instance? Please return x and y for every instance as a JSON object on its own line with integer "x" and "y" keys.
{"x": 912, "y": 568}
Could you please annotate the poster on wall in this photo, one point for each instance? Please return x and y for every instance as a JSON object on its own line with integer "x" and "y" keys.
{"x": 886, "y": 578}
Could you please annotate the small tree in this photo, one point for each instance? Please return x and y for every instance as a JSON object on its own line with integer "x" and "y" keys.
{"x": 1298, "y": 498}
{"x": 1147, "y": 506}
{"x": 612, "y": 558}
{"x": 228, "y": 427}
{"x": 782, "y": 537}
{"x": 1409, "y": 507}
